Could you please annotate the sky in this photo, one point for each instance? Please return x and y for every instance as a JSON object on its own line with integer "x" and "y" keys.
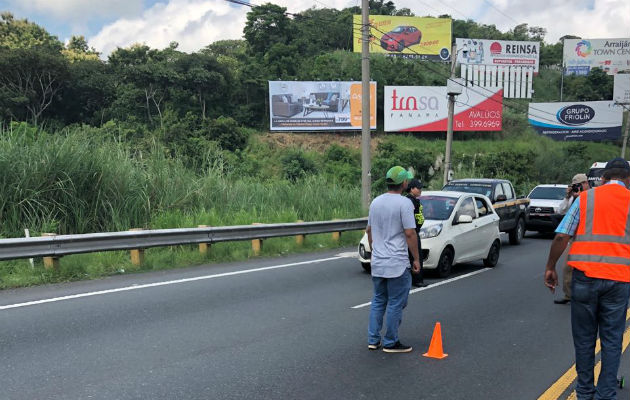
{"x": 108, "y": 24}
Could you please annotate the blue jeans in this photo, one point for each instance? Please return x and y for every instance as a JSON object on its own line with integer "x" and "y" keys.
{"x": 389, "y": 294}
{"x": 597, "y": 304}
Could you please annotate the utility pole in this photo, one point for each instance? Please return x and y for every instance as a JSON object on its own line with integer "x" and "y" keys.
{"x": 451, "y": 111}
{"x": 366, "y": 183}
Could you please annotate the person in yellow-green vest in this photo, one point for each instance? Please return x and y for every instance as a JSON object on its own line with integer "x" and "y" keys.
{"x": 414, "y": 190}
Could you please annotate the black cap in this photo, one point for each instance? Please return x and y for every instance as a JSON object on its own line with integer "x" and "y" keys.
{"x": 414, "y": 183}
{"x": 618, "y": 163}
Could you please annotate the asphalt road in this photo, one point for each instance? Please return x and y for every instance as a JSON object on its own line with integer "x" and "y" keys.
{"x": 285, "y": 329}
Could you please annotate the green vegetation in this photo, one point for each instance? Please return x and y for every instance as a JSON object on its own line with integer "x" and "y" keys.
{"x": 159, "y": 138}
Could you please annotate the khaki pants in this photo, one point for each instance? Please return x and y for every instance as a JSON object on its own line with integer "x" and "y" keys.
{"x": 567, "y": 273}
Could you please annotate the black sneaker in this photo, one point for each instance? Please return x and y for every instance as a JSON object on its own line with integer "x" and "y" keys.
{"x": 420, "y": 284}
{"x": 375, "y": 346}
{"x": 397, "y": 348}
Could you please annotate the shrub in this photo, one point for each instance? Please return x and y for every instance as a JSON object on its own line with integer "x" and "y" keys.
{"x": 296, "y": 165}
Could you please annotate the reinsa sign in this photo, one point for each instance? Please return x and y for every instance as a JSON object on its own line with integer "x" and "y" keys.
{"x": 425, "y": 109}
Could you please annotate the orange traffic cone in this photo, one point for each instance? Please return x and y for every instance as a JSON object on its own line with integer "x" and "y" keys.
{"x": 435, "y": 348}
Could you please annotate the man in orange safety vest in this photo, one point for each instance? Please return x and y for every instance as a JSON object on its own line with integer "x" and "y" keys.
{"x": 599, "y": 224}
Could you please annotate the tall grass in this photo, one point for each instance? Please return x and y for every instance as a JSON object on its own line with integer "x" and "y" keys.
{"x": 77, "y": 181}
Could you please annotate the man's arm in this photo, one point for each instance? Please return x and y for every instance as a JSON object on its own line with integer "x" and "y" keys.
{"x": 368, "y": 230}
{"x": 564, "y": 232}
{"x": 558, "y": 246}
{"x": 412, "y": 243}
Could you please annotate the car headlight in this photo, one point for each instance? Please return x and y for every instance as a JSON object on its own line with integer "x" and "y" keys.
{"x": 362, "y": 251}
{"x": 430, "y": 231}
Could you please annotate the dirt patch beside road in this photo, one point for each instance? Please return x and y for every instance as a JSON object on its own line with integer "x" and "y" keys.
{"x": 316, "y": 141}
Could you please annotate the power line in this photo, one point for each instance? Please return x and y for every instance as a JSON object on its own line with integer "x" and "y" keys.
{"x": 499, "y": 11}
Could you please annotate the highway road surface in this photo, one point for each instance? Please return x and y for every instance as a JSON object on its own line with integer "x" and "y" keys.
{"x": 288, "y": 328}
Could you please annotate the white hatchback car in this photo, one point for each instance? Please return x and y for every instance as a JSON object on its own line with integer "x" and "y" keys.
{"x": 458, "y": 227}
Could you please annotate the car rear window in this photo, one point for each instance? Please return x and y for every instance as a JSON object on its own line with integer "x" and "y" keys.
{"x": 437, "y": 207}
{"x": 548, "y": 193}
{"x": 469, "y": 187}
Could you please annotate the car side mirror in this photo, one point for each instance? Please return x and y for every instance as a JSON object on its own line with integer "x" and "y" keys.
{"x": 501, "y": 197}
{"x": 464, "y": 219}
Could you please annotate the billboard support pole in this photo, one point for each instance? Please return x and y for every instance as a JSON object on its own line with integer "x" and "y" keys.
{"x": 366, "y": 183}
{"x": 451, "y": 111}
{"x": 561, "y": 81}
{"x": 625, "y": 136}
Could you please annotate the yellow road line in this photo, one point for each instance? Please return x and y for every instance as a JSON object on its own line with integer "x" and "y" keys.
{"x": 562, "y": 384}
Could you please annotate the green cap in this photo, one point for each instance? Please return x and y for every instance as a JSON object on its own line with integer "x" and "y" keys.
{"x": 396, "y": 175}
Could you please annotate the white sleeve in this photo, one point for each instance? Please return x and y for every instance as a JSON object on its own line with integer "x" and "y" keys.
{"x": 565, "y": 205}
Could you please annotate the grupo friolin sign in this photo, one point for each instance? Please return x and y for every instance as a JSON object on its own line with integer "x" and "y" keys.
{"x": 498, "y": 53}
{"x": 581, "y": 55}
{"x": 425, "y": 109}
{"x": 588, "y": 120}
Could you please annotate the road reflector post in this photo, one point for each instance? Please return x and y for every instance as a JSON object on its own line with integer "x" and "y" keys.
{"x": 299, "y": 239}
{"x": 137, "y": 255}
{"x": 51, "y": 262}
{"x": 204, "y": 247}
{"x": 257, "y": 243}
{"x": 336, "y": 235}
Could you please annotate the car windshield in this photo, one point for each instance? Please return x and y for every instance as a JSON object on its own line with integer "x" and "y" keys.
{"x": 548, "y": 193}
{"x": 437, "y": 207}
{"x": 398, "y": 29}
{"x": 468, "y": 187}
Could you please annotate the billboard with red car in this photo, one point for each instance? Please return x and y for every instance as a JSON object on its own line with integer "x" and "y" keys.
{"x": 411, "y": 37}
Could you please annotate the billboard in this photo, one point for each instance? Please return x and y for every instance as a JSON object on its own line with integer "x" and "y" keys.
{"x": 621, "y": 89}
{"x": 412, "y": 37}
{"x": 498, "y": 53}
{"x": 315, "y": 106}
{"x": 588, "y": 120}
{"x": 425, "y": 109}
{"x": 611, "y": 55}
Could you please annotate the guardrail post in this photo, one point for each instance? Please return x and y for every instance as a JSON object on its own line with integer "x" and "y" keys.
{"x": 204, "y": 247}
{"x": 137, "y": 255}
{"x": 51, "y": 262}
{"x": 336, "y": 235}
{"x": 299, "y": 239}
{"x": 257, "y": 243}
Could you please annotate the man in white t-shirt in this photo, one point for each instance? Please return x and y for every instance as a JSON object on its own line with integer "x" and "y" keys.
{"x": 391, "y": 234}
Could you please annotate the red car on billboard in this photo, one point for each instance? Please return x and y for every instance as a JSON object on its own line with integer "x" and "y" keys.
{"x": 401, "y": 37}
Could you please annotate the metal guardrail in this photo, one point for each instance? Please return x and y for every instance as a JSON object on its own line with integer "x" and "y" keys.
{"x": 62, "y": 245}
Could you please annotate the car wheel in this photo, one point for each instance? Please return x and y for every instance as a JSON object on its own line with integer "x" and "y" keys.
{"x": 367, "y": 267}
{"x": 401, "y": 45}
{"x": 516, "y": 234}
{"x": 446, "y": 263}
{"x": 493, "y": 255}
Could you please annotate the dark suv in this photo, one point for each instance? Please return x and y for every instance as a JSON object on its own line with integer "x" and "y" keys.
{"x": 401, "y": 37}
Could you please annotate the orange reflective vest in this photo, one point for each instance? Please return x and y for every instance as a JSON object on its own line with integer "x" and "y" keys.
{"x": 601, "y": 245}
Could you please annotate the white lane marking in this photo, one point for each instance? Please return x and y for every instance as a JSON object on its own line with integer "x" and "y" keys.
{"x": 348, "y": 254}
{"x": 155, "y": 284}
{"x": 434, "y": 285}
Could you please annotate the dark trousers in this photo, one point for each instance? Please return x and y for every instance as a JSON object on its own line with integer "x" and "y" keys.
{"x": 419, "y": 277}
{"x": 597, "y": 305}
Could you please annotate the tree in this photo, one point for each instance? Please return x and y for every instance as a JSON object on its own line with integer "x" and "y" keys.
{"x": 266, "y": 25}
{"x": 77, "y": 49}
{"x": 22, "y": 34}
{"x": 30, "y": 80}
{"x": 149, "y": 70}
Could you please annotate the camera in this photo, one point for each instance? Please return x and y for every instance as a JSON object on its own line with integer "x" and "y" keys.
{"x": 576, "y": 187}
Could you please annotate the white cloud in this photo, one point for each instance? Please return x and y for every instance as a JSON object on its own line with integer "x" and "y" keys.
{"x": 196, "y": 23}
{"x": 192, "y": 23}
